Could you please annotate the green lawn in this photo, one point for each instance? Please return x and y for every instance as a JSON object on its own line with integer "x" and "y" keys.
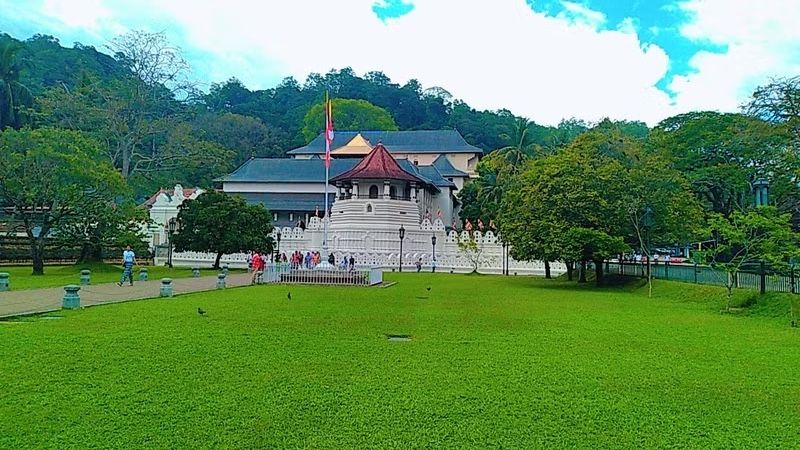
{"x": 21, "y": 277}
{"x": 493, "y": 362}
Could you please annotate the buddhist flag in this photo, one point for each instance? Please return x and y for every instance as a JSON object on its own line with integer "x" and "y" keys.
{"x": 328, "y": 130}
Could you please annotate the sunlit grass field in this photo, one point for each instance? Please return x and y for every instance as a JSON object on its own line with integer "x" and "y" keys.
{"x": 491, "y": 362}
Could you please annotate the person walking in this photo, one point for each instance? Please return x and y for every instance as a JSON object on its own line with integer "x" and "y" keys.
{"x": 258, "y": 266}
{"x": 352, "y": 263}
{"x": 128, "y": 261}
{"x": 419, "y": 265}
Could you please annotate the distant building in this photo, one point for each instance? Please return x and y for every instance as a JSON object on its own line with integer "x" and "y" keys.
{"x": 163, "y": 205}
{"x": 437, "y": 164}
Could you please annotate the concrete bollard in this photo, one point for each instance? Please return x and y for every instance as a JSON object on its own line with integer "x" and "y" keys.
{"x": 195, "y": 272}
{"x": 221, "y": 281}
{"x": 72, "y": 300}
{"x": 225, "y": 268}
{"x": 143, "y": 275}
{"x": 86, "y": 277}
{"x": 166, "y": 287}
{"x": 5, "y": 281}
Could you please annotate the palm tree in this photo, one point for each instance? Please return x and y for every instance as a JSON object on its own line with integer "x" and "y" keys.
{"x": 521, "y": 145}
{"x": 13, "y": 94}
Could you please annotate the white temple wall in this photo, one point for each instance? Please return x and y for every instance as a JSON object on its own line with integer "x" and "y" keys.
{"x": 381, "y": 248}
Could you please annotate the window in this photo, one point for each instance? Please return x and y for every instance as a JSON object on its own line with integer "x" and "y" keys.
{"x": 373, "y": 191}
{"x": 392, "y": 192}
{"x": 369, "y": 208}
{"x": 416, "y": 163}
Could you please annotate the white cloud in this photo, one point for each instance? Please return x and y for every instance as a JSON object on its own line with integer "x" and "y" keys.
{"x": 498, "y": 54}
{"x": 762, "y": 40}
{"x": 491, "y": 54}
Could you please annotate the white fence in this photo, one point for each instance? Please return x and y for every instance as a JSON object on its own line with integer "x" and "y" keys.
{"x": 284, "y": 273}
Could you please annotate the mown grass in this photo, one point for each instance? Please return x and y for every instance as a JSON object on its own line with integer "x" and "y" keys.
{"x": 21, "y": 277}
{"x": 493, "y": 362}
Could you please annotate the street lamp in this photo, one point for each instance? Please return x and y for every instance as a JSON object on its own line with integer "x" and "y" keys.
{"x": 433, "y": 244}
{"x": 172, "y": 224}
{"x": 402, "y": 236}
{"x": 761, "y": 188}
{"x": 278, "y": 250}
{"x": 647, "y": 224}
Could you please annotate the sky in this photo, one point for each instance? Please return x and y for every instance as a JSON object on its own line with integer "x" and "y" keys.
{"x": 547, "y": 60}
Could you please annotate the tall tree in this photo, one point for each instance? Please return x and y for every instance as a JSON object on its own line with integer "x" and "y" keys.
{"x": 348, "y": 114}
{"x": 48, "y": 175}
{"x": 14, "y": 96}
{"x": 219, "y": 223}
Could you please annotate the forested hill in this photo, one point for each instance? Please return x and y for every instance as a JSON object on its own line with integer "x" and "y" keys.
{"x": 46, "y": 63}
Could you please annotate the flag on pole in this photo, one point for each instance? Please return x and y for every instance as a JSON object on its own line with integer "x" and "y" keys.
{"x": 328, "y": 130}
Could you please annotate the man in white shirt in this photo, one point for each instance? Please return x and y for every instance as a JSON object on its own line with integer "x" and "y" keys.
{"x": 128, "y": 261}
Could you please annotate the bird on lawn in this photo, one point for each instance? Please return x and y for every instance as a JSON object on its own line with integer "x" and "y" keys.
{"x": 201, "y": 311}
{"x": 289, "y": 295}
{"x": 429, "y": 288}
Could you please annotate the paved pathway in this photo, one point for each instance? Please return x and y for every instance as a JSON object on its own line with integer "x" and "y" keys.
{"x": 29, "y": 301}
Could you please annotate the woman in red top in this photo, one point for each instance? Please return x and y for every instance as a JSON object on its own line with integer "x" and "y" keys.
{"x": 258, "y": 266}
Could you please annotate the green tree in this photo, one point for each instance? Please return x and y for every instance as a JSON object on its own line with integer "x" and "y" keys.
{"x": 348, "y": 115}
{"x": 521, "y": 143}
{"x": 746, "y": 238}
{"x": 246, "y": 136}
{"x": 13, "y": 94}
{"x": 48, "y": 175}
{"x": 102, "y": 226}
{"x": 219, "y": 223}
{"x": 720, "y": 154}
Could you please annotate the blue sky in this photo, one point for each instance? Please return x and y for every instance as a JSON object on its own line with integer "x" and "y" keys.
{"x": 546, "y": 59}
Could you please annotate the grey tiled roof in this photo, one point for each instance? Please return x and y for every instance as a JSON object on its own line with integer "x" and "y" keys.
{"x": 444, "y": 167}
{"x": 285, "y": 170}
{"x": 419, "y": 141}
{"x": 289, "y": 201}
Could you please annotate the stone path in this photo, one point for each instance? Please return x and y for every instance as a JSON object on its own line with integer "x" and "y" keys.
{"x": 30, "y": 301}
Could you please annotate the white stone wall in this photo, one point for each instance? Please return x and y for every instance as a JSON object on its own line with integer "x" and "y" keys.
{"x": 381, "y": 248}
{"x": 164, "y": 209}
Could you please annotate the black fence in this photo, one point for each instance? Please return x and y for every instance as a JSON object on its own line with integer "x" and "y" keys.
{"x": 755, "y": 277}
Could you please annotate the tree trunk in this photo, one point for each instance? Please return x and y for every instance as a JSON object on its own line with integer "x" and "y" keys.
{"x": 570, "y": 269}
{"x": 37, "y": 255}
{"x": 90, "y": 253}
{"x": 582, "y": 274}
{"x": 126, "y": 162}
{"x": 598, "y": 271}
{"x": 547, "y": 269}
{"x": 216, "y": 261}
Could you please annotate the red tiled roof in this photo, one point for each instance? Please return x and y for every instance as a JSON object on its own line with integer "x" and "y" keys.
{"x": 378, "y": 164}
{"x": 187, "y": 192}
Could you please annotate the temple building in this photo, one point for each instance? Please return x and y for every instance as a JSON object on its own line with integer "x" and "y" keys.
{"x": 419, "y": 170}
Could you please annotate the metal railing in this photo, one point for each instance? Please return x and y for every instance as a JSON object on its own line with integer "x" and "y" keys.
{"x": 694, "y": 273}
{"x": 285, "y": 273}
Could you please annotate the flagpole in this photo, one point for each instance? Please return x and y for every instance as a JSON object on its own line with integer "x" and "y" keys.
{"x": 326, "y": 217}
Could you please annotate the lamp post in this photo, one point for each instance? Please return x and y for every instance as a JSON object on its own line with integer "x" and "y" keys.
{"x": 278, "y": 250}
{"x": 433, "y": 245}
{"x": 172, "y": 224}
{"x": 647, "y": 224}
{"x": 402, "y": 236}
{"x": 761, "y": 190}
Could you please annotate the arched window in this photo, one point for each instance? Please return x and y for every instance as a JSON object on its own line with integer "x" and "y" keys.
{"x": 373, "y": 191}
{"x": 369, "y": 208}
{"x": 392, "y": 192}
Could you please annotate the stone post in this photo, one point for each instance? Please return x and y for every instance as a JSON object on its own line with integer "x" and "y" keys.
{"x": 86, "y": 277}
{"x": 5, "y": 281}
{"x": 143, "y": 275}
{"x": 72, "y": 299}
{"x": 166, "y": 287}
{"x": 195, "y": 272}
{"x": 221, "y": 281}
